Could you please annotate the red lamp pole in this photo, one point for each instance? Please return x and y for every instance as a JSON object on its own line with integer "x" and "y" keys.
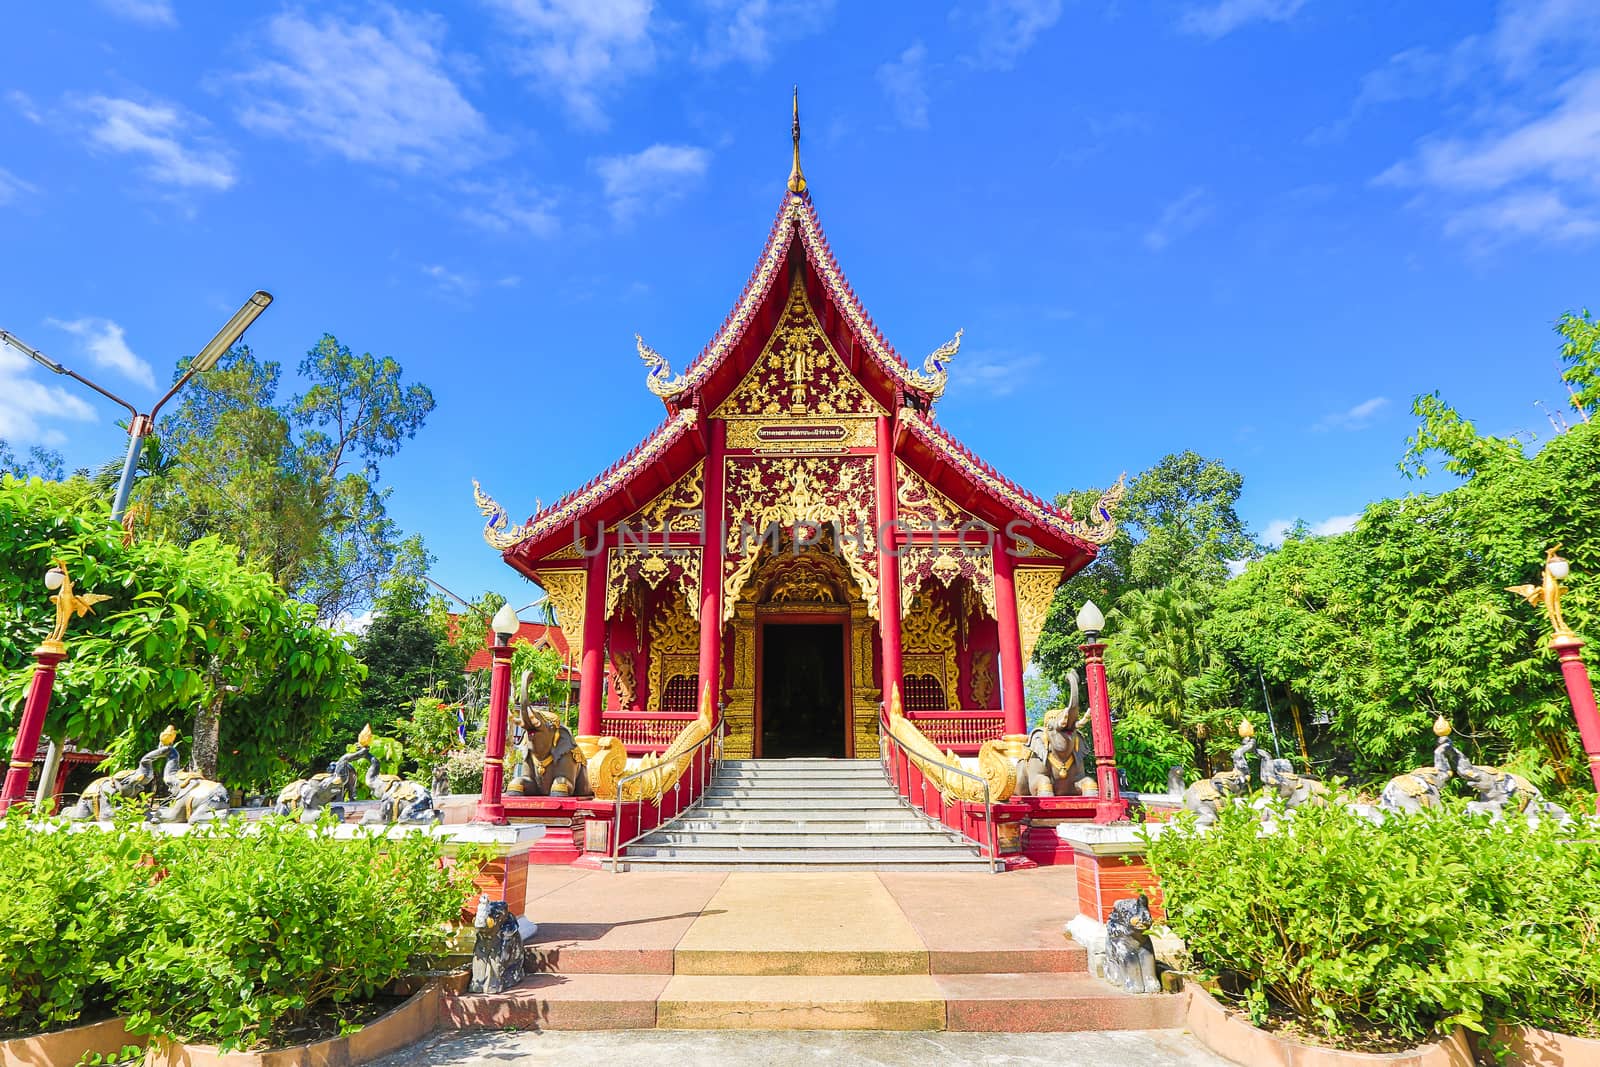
{"x": 33, "y": 712}
{"x": 491, "y": 808}
{"x": 1111, "y": 806}
{"x": 1568, "y": 649}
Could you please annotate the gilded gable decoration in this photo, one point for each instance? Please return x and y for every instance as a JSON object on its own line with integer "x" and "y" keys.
{"x": 921, "y": 506}
{"x": 797, "y": 498}
{"x": 935, "y": 372}
{"x": 1035, "y": 587}
{"x": 650, "y": 566}
{"x": 798, "y": 372}
{"x": 945, "y": 563}
{"x": 678, "y": 509}
{"x": 566, "y": 590}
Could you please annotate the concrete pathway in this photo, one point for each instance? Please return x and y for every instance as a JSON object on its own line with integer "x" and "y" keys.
{"x": 757, "y": 1048}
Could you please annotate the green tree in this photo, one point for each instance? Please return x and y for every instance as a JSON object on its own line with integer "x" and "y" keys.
{"x": 41, "y": 462}
{"x": 187, "y": 627}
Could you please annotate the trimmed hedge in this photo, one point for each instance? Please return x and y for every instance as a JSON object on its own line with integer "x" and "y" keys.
{"x": 234, "y": 934}
{"x": 1406, "y": 929}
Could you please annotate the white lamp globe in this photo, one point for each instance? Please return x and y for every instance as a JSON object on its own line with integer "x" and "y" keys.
{"x": 505, "y": 621}
{"x": 1091, "y": 619}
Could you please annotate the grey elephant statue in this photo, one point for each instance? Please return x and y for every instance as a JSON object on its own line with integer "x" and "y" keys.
{"x": 1499, "y": 791}
{"x": 309, "y": 797}
{"x": 398, "y": 800}
{"x": 1412, "y": 791}
{"x": 100, "y": 797}
{"x": 549, "y": 762}
{"x": 1054, "y": 764}
{"x": 497, "y": 950}
{"x": 1291, "y": 788}
{"x": 1130, "y": 957}
{"x": 1207, "y": 796}
{"x": 191, "y": 796}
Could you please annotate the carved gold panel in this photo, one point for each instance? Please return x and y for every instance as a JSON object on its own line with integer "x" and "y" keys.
{"x": 566, "y": 591}
{"x": 1036, "y": 587}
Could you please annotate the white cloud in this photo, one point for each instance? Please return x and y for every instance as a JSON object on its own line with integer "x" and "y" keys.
{"x": 12, "y": 186}
{"x": 149, "y": 12}
{"x": 904, "y": 82}
{"x": 159, "y": 131}
{"x": 373, "y": 92}
{"x": 1222, "y": 18}
{"x": 106, "y": 343}
{"x": 1178, "y": 218}
{"x": 1002, "y": 30}
{"x": 451, "y": 282}
{"x": 994, "y": 373}
{"x": 502, "y": 208}
{"x": 26, "y": 404}
{"x": 23, "y": 104}
{"x": 658, "y": 173}
{"x": 746, "y": 31}
{"x": 1278, "y": 529}
{"x": 580, "y": 50}
{"x": 1530, "y": 213}
{"x": 1354, "y": 418}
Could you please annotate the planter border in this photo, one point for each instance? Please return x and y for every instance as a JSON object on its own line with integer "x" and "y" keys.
{"x": 406, "y": 1024}
{"x": 1231, "y": 1036}
{"x": 1534, "y": 1046}
{"x": 68, "y": 1046}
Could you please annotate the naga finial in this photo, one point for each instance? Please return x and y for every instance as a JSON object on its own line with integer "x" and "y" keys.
{"x": 660, "y": 380}
{"x": 797, "y": 178}
{"x": 1104, "y": 526}
{"x": 498, "y": 531}
{"x": 935, "y": 372}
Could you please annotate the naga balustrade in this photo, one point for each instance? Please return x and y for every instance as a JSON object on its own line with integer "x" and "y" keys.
{"x": 643, "y": 806}
{"x": 962, "y": 732}
{"x": 643, "y": 731}
{"x": 906, "y": 771}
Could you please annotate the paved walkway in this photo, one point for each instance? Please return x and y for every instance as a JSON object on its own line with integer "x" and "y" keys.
{"x": 757, "y": 1048}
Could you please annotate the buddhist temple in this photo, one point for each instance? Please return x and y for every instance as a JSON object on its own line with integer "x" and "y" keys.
{"x": 799, "y": 542}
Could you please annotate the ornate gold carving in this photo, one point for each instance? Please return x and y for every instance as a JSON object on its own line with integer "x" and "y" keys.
{"x": 566, "y": 591}
{"x": 675, "y": 760}
{"x": 68, "y": 604}
{"x": 497, "y": 531}
{"x": 921, "y": 505}
{"x": 678, "y": 508}
{"x": 1548, "y": 593}
{"x": 798, "y": 371}
{"x": 607, "y": 760}
{"x": 928, "y": 641}
{"x": 1104, "y": 525}
{"x": 623, "y": 676}
{"x": 995, "y": 765}
{"x": 659, "y": 379}
{"x": 790, "y": 494}
{"x": 653, "y": 565}
{"x": 1035, "y": 587}
{"x": 674, "y": 652}
{"x": 935, "y": 369}
{"x": 566, "y": 552}
{"x": 982, "y": 678}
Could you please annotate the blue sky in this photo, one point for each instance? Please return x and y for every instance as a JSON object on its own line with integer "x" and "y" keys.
{"x": 1254, "y": 228}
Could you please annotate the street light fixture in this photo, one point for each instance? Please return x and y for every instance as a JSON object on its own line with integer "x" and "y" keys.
{"x": 140, "y": 425}
{"x": 505, "y": 622}
{"x": 1091, "y": 620}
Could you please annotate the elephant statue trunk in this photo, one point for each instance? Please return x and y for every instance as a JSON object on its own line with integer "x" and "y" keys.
{"x": 1054, "y": 764}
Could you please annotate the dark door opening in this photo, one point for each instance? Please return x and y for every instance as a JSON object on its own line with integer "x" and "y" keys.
{"x": 802, "y": 690}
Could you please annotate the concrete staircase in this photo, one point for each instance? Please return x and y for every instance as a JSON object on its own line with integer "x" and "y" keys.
{"x": 803, "y": 815}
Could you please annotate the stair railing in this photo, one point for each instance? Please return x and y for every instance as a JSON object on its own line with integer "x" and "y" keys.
{"x": 918, "y": 777}
{"x": 646, "y": 789}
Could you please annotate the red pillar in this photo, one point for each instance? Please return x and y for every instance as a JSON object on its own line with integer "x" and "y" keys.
{"x": 1111, "y": 806}
{"x": 491, "y": 807}
{"x": 888, "y": 561}
{"x": 32, "y": 725}
{"x": 1579, "y": 690}
{"x": 1012, "y": 699}
{"x": 592, "y": 665}
{"x": 713, "y": 544}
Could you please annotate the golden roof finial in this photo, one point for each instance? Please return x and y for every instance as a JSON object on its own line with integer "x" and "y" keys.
{"x": 797, "y": 178}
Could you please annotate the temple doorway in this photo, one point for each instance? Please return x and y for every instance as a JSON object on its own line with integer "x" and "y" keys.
{"x": 803, "y": 690}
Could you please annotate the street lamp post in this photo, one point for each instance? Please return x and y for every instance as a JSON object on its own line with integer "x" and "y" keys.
{"x": 1111, "y": 806}
{"x": 51, "y": 651}
{"x": 491, "y": 806}
{"x": 1568, "y": 647}
{"x": 139, "y": 425}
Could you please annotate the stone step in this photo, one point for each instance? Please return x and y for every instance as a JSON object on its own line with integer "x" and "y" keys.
{"x": 802, "y": 805}
{"x": 1003, "y": 1002}
{"x": 802, "y": 791}
{"x": 868, "y": 777}
{"x": 738, "y": 839}
{"x": 800, "y": 761}
{"x": 877, "y": 821}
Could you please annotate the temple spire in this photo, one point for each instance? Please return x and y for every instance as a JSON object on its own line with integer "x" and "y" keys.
{"x": 797, "y": 178}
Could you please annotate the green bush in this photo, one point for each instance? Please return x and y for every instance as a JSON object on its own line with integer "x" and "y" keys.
{"x": 235, "y": 934}
{"x": 1405, "y": 929}
{"x": 1147, "y": 747}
